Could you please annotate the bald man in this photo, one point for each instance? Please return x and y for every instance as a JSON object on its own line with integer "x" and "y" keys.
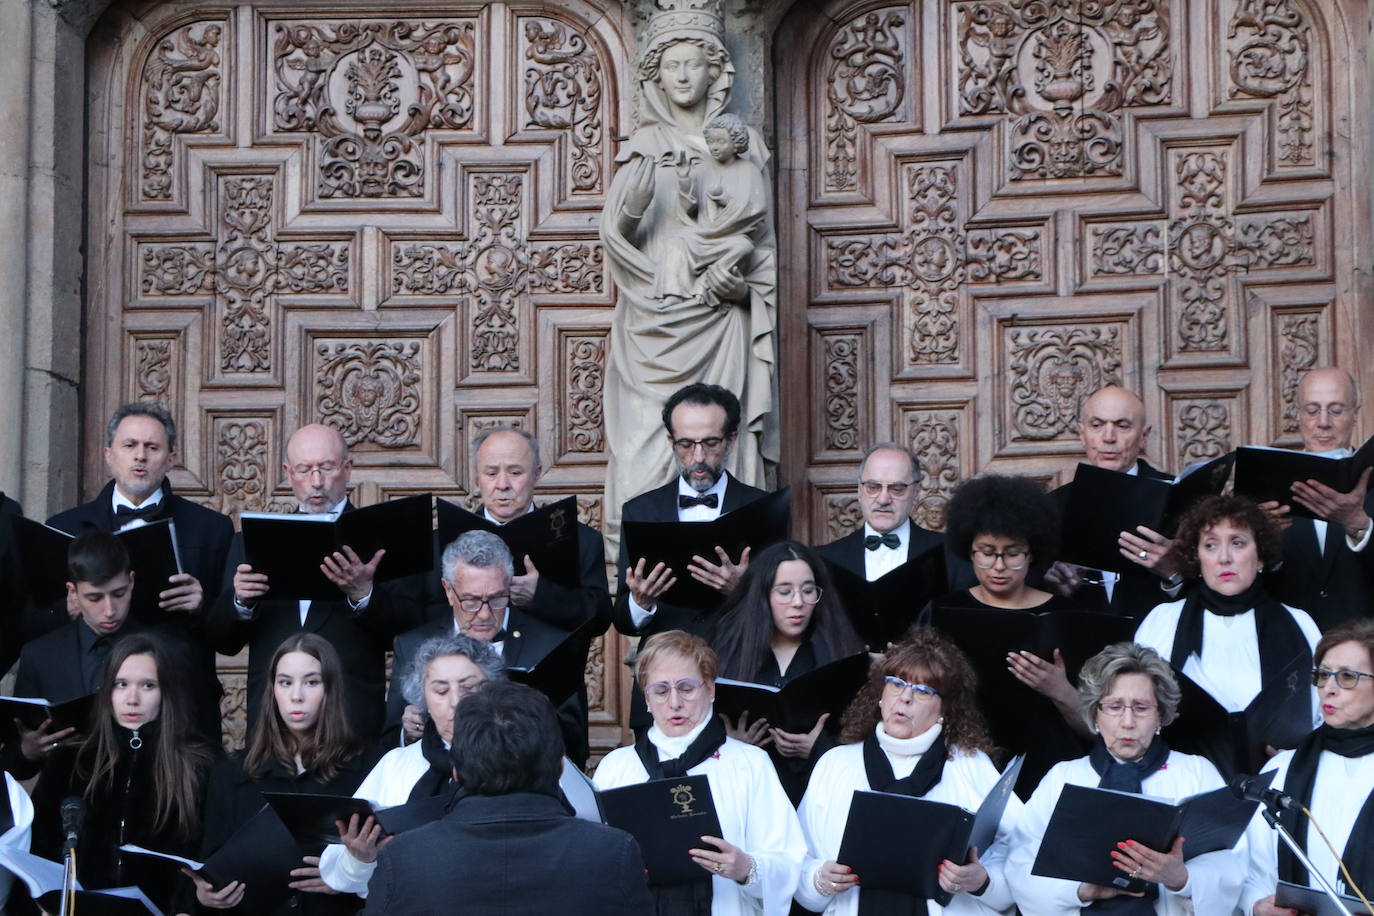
{"x": 1112, "y": 428}
{"x": 1328, "y": 568}
{"x": 360, "y": 624}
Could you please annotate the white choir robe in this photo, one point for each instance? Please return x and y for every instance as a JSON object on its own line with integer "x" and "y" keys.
{"x": 966, "y": 781}
{"x": 388, "y": 784}
{"x": 1339, "y": 792}
{"x": 755, "y": 816}
{"x": 1229, "y": 666}
{"x": 19, "y": 835}
{"x": 1214, "y": 880}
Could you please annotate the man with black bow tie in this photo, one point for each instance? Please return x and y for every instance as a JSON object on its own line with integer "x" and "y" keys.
{"x": 478, "y": 577}
{"x": 701, "y": 422}
{"x": 889, "y": 485}
{"x": 140, "y": 450}
{"x": 360, "y": 623}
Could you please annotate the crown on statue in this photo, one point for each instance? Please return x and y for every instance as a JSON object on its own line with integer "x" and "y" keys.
{"x": 685, "y": 18}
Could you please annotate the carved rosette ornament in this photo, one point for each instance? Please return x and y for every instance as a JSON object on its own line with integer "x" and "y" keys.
{"x": 865, "y": 84}
{"x": 933, "y": 435}
{"x": 1203, "y": 431}
{"x": 181, "y": 94}
{"x": 1298, "y": 347}
{"x": 371, "y": 90}
{"x": 1268, "y": 46}
{"x": 933, "y": 259}
{"x": 1052, "y": 369}
{"x": 563, "y": 92}
{"x": 370, "y": 391}
{"x": 1065, "y": 70}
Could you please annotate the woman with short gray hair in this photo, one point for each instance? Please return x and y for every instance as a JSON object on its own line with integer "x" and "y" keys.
{"x": 1127, "y": 694}
{"x": 446, "y": 669}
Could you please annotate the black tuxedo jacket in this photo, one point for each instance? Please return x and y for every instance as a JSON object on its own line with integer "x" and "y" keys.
{"x": 13, "y": 601}
{"x": 528, "y": 640}
{"x": 520, "y": 853}
{"x": 660, "y": 505}
{"x": 203, "y": 539}
{"x": 1333, "y": 585}
{"x": 1136, "y": 591}
{"x": 848, "y": 552}
{"x": 568, "y": 608}
{"x": 361, "y": 638}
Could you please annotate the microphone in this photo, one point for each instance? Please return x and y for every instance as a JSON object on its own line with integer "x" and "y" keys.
{"x": 73, "y": 814}
{"x": 1248, "y": 788}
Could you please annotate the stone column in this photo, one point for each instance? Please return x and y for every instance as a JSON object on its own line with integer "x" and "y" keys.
{"x": 16, "y": 41}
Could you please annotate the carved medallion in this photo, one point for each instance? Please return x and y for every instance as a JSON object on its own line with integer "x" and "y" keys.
{"x": 1052, "y": 369}
{"x": 370, "y": 390}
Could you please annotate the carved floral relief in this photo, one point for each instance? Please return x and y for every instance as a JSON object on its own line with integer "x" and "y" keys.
{"x": 369, "y": 390}
{"x": 563, "y": 91}
{"x": 865, "y": 80}
{"x": 181, "y": 93}
{"x": 1269, "y": 46}
{"x": 1052, "y": 368}
{"x": 584, "y": 367}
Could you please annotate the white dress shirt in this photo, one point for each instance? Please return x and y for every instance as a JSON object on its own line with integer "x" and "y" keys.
{"x": 119, "y": 499}
{"x": 882, "y": 559}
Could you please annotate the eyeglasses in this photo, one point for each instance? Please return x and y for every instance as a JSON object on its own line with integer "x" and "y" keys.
{"x": 1334, "y": 411}
{"x": 687, "y": 689}
{"x": 494, "y": 602}
{"x": 918, "y": 691}
{"x": 687, "y": 446}
{"x": 810, "y": 594}
{"x": 874, "y": 488}
{"x": 1117, "y": 709}
{"x": 306, "y": 471}
{"x": 1345, "y": 678}
{"x": 1014, "y": 558}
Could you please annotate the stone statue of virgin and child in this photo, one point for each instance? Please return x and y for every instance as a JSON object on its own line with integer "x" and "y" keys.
{"x": 688, "y": 230}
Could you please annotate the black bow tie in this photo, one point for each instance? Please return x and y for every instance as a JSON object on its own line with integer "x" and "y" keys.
{"x": 890, "y": 539}
{"x": 710, "y": 501}
{"x": 146, "y": 512}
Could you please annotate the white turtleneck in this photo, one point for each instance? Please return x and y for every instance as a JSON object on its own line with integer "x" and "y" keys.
{"x": 671, "y": 747}
{"x": 905, "y": 753}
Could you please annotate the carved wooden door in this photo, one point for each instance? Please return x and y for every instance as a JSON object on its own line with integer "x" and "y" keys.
{"x": 1004, "y": 204}
{"x": 383, "y": 221}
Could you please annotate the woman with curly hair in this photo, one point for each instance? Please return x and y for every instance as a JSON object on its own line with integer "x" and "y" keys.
{"x": 1227, "y": 634}
{"x": 914, "y": 729}
{"x": 782, "y": 620}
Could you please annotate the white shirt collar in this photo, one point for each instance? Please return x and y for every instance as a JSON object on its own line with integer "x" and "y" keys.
{"x": 671, "y": 747}
{"x": 505, "y": 622}
{"x": 487, "y": 515}
{"x": 685, "y": 489}
{"x": 120, "y": 499}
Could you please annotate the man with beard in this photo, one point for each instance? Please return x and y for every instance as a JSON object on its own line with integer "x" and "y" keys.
{"x": 701, "y": 422}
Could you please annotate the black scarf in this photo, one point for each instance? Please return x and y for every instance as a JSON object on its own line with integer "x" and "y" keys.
{"x": 693, "y": 898}
{"x": 929, "y": 769}
{"x": 1302, "y": 776}
{"x": 440, "y": 771}
{"x": 1127, "y": 777}
{"x": 1278, "y": 633}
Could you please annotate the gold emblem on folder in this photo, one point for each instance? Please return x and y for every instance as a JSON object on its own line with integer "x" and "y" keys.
{"x": 683, "y": 798}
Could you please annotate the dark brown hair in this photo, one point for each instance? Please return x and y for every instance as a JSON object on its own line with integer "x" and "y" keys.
{"x": 1210, "y": 510}
{"x": 926, "y": 657}
{"x": 181, "y": 757}
{"x": 329, "y": 744}
{"x": 1359, "y": 631}
{"x": 745, "y": 632}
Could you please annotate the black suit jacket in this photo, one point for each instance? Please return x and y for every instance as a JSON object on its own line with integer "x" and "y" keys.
{"x": 568, "y": 608}
{"x": 848, "y": 552}
{"x": 361, "y": 638}
{"x": 520, "y": 853}
{"x": 660, "y": 505}
{"x": 528, "y": 640}
{"x": 203, "y": 539}
{"x": 1136, "y": 591}
{"x": 1333, "y": 585}
{"x": 13, "y": 601}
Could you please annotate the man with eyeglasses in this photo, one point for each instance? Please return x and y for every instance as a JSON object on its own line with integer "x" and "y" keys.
{"x": 1114, "y": 434}
{"x": 1327, "y": 567}
{"x": 701, "y": 422}
{"x": 478, "y": 578}
{"x": 889, "y": 485}
{"x": 360, "y": 623}
{"x": 140, "y": 450}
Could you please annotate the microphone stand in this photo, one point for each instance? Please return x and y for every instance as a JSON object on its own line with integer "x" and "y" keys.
{"x": 1271, "y": 817}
